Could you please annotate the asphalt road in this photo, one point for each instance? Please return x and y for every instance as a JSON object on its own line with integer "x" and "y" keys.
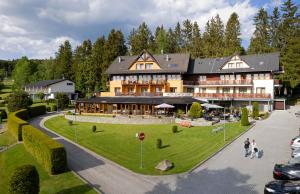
{"x": 227, "y": 172}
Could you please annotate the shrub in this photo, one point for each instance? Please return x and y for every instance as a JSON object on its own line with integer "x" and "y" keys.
{"x": 18, "y": 100}
{"x": 53, "y": 107}
{"x": 36, "y": 110}
{"x": 41, "y": 96}
{"x": 70, "y": 122}
{"x": 94, "y": 128}
{"x": 174, "y": 128}
{"x": 25, "y": 180}
{"x": 51, "y": 154}
{"x": 2, "y": 104}
{"x": 158, "y": 143}
{"x": 69, "y": 113}
{"x": 195, "y": 110}
{"x": 244, "y": 119}
{"x": 265, "y": 115}
{"x": 3, "y": 114}
{"x": 48, "y": 108}
{"x": 179, "y": 113}
{"x": 255, "y": 110}
{"x": 15, "y": 123}
{"x": 63, "y": 100}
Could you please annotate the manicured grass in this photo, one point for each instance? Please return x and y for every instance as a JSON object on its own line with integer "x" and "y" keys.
{"x": 118, "y": 143}
{"x": 60, "y": 184}
{"x": 7, "y": 88}
{"x": 6, "y": 139}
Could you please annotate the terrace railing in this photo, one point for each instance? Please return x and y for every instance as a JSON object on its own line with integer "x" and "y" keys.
{"x": 232, "y": 95}
{"x": 139, "y": 94}
{"x": 219, "y": 82}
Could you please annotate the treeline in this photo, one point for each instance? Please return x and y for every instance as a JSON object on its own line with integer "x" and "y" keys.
{"x": 87, "y": 63}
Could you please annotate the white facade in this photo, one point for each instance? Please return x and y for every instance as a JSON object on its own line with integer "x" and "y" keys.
{"x": 264, "y": 86}
{"x": 64, "y": 86}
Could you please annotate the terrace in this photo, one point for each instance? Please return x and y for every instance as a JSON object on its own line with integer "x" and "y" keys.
{"x": 233, "y": 95}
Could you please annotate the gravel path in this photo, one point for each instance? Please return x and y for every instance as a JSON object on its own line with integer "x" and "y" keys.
{"x": 227, "y": 172}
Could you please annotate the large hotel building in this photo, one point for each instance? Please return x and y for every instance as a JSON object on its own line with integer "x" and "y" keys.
{"x": 138, "y": 83}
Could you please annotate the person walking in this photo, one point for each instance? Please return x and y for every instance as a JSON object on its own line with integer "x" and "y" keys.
{"x": 246, "y": 146}
{"x": 254, "y": 149}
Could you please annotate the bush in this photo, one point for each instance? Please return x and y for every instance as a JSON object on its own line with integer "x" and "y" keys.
{"x": 63, "y": 100}
{"x": 195, "y": 110}
{"x": 158, "y": 143}
{"x": 70, "y": 122}
{"x": 48, "y": 108}
{"x": 179, "y": 113}
{"x": 69, "y": 113}
{"x": 174, "y": 128}
{"x": 2, "y": 104}
{"x": 41, "y": 96}
{"x": 15, "y": 123}
{"x": 255, "y": 110}
{"x": 51, "y": 154}
{"x": 244, "y": 119}
{"x": 94, "y": 128}
{"x": 24, "y": 180}
{"x": 53, "y": 107}
{"x": 3, "y": 114}
{"x": 18, "y": 100}
{"x": 36, "y": 110}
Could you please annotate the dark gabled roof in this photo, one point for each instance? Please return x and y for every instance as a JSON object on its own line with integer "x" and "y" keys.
{"x": 177, "y": 63}
{"x": 44, "y": 83}
{"x": 257, "y": 63}
{"x": 140, "y": 100}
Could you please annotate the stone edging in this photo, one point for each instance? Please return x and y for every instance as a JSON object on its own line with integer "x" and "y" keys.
{"x": 225, "y": 146}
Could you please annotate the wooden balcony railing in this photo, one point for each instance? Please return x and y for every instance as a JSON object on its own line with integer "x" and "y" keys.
{"x": 143, "y": 82}
{"x": 139, "y": 94}
{"x": 219, "y": 82}
{"x": 232, "y": 95}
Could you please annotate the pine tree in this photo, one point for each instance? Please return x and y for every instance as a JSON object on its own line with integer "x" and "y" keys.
{"x": 196, "y": 50}
{"x": 171, "y": 46}
{"x": 187, "y": 35}
{"x": 290, "y": 22}
{"x": 213, "y": 38}
{"x": 161, "y": 40}
{"x": 63, "y": 63}
{"x": 97, "y": 58}
{"x": 260, "y": 42}
{"x": 178, "y": 37}
{"x": 274, "y": 29}
{"x": 232, "y": 36}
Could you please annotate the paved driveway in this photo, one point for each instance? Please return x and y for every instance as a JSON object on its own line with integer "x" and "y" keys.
{"x": 227, "y": 172}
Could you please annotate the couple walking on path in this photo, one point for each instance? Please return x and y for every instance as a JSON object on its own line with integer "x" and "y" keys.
{"x": 254, "y": 149}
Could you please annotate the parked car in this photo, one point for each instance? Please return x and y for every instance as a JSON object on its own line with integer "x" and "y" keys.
{"x": 295, "y": 143}
{"x": 282, "y": 187}
{"x": 287, "y": 171}
{"x": 295, "y": 153}
{"x": 297, "y": 114}
{"x": 294, "y": 160}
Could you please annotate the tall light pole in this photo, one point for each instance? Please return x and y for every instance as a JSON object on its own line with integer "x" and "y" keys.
{"x": 75, "y": 125}
{"x": 224, "y": 125}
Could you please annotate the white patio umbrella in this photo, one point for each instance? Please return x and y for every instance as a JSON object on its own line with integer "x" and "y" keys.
{"x": 207, "y": 105}
{"x": 164, "y": 105}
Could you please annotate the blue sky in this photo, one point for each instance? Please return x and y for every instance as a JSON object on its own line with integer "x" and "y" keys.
{"x": 36, "y": 28}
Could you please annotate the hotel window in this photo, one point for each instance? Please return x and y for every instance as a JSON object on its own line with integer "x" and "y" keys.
{"x": 149, "y": 65}
{"x": 255, "y": 76}
{"x": 248, "y": 76}
{"x": 226, "y": 77}
{"x": 202, "y": 77}
{"x": 239, "y": 65}
{"x": 190, "y": 90}
{"x": 267, "y": 76}
{"x": 144, "y": 90}
{"x": 231, "y": 77}
{"x": 173, "y": 89}
{"x": 117, "y": 90}
{"x": 238, "y": 77}
{"x": 222, "y": 77}
{"x": 231, "y": 65}
{"x": 130, "y": 90}
{"x": 226, "y": 90}
{"x": 261, "y": 76}
{"x": 158, "y": 89}
{"x": 242, "y": 90}
{"x": 202, "y": 90}
{"x": 260, "y": 90}
{"x": 154, "y": 77}
{"x": 140, "y": 66}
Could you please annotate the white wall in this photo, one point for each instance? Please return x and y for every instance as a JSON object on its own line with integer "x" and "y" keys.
{"x": 62, "y": 87}
{"x": 267, "y": 84}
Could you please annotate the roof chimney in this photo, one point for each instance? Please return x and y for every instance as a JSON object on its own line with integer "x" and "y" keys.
{"x": 167, "y": 58}
{"x": 120, "y": 59}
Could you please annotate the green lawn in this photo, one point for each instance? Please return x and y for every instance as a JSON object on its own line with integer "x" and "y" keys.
{"x": 6, "y": 90}
{"x": 65, "y": 183}
{"x": 117, "y": 142}
{"x": 6, "y": 139}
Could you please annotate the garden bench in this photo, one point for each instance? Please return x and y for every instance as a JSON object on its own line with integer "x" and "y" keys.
{"x": 217, "y": 129}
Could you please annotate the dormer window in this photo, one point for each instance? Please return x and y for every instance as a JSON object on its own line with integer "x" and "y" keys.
{"x": 140, "y": 66}
{"x": 149, "y": 65}
{"x": 235, "y": 62}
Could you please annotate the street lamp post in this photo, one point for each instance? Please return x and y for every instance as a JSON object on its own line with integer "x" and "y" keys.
{"x": 224, "y": 125}
{"x": 75, "y": 126}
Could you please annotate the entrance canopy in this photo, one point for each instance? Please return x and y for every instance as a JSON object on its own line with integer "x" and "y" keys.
{"x": 207, "y": 105}
{"x": 164, "y": 105}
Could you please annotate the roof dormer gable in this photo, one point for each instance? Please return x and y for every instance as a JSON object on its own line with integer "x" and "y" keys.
{"x": 145, "y": 61}
{"x": 235, "y": 62}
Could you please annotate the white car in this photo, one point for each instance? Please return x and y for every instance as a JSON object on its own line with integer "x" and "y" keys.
{"x": 295, "y": 143}
{"x": 295, "y": 153}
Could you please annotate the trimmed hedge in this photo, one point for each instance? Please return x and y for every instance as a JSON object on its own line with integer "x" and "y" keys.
{"x": 36, "y": 110}
{"x": 15, "y": 123}
{"x": 51, "y": 154}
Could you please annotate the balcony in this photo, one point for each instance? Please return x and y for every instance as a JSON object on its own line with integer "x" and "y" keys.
{"x": 139, "y": 94}
{"x": 232, "y": 96}
{"x": 219, "y": 82}
{"x": 143, "y": 82}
